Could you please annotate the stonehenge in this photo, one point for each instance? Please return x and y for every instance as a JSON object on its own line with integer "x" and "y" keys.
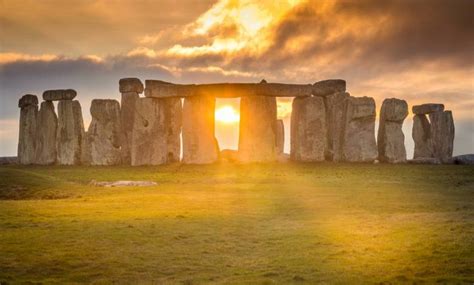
{"x": 175, "y": 123}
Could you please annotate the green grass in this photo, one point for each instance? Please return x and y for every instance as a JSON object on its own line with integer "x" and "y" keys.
{"x": 234, "y": 224}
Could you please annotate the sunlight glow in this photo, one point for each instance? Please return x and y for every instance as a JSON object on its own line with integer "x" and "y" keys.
{"x": 227, "y": 114}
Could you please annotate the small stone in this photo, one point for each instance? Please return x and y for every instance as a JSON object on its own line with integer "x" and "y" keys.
{"x": 328, "y": 87}
{"x": 27, "y": 100}
{"x": 258, "y": 123}
{"x": 59, "y": 94}
{"x": 130, "y": 85}
{"x": 308, "y": 129}
{"x": 427, "y": 108}
{"x": 359, "y": 130}
{"x": 465, "y": 159}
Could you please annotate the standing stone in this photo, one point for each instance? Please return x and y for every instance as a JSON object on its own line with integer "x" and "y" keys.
{"x": 28, "y": 105}
{"x": 280, "y": 137}
{"x": 70, "y": 133}
{"x": 335, "y": 109}
{"x": 130, "y": 89}
{"x": 359, "y": 130}
{"x": 46, "y": 135}
{"x": 257, "y": 134}
{"x": 199, "y": 143}
{"x": 308, "y": 129}
{"x": 104, "y": 132}
{"x": 421, "y": 134}
{"x": 390, "y": 139}
{"x": 442, "y": 133}
{"x": 156, "y": 129}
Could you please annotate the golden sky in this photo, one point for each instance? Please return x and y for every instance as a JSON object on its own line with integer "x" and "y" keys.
{"x": 420, "y": 51}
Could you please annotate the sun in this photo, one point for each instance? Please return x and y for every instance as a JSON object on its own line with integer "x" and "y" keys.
{"x": 227, "y": 114}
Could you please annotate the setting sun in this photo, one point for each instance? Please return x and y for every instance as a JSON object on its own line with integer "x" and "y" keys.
{"x": 227, "y": 114}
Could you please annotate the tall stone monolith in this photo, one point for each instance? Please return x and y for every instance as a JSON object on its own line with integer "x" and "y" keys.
{"x": 258, "y": 124}
{"x": 335, "y": 108}
{"x": 280, "y": 137}
{"x": 104, "y": 132}
{"x": 421, "y": 134}
{"x": 156, "y": 131}
{"x": 46, "y": 134}
{"x": 130, "y": 88}
{"x": 70, "y": 133}
{"x": 308, "y": 129}
{"x": 27, "y": 138}
{"x": 199, "y": 143}
{"x": 442, "y": 132}
{"x": 390, "y": 139}
{"x": 358, "y": 141}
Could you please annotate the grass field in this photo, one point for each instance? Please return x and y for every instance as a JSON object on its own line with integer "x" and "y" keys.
{"x": 234, "y": 224}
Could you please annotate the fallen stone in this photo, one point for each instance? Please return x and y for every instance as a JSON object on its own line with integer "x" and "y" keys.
{"x": 421, "y": 134}
{"x": 104, "y": 132}
{"x": 130, "y": 85}
{"x": 427, "y": 108}
{"x": 27, "y": 100}
{"x": 122, "y": 183}
{"x": 70, "y": 133}
{"x": 199, "y": 143}
{"x": 465, "y": 159}
{"x": 442, "y": 135}
{"x": 308, "y": 129}
{"x": 335, "y": 108}
{"x": 424, "y": 160}
{"x": 258, "y": 123}
{"x": 127, "y": 114}
{"x": 328, "y": 87}
{"x": 28, "y": 129}
{"x": 391, "y": 140}
{"x": 155, "y": 136}
{"x": 46, "y": 134}
{"x": 280, "y": 136}
{"x": 359, "y": 130}
{"x": 59, "y": 94}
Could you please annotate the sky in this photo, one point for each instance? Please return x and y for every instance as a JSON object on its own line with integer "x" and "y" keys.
{"x": 421, "y": 51}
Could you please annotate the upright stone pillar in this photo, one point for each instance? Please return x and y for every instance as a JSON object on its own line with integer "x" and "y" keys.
{"x": 359, "y": 130}
{"x": 199, "y": 143}
{"x": 308, "y": 129}
{"x": 70, "y": 133}
{"x": 421, "y": 134}
{"x": 390, "y": 139}
{"x": 442, "y": 131}
{"x": 28, "y": 105}
{"x": 257, "y": 134}
{"x": 335, "y": 108}
{"x": 156, "y": 131}
{"x": 46, "y": 135}
{"x": 280, "y": 137}
{"x": 104, "y": 132}
{"x": 130, "y": 89}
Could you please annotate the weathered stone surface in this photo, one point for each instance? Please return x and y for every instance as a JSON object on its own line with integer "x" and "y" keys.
{"x": 130, "y": 85}
{"x": 104, "y": 132}
{"x": 308, "y": 129}
{"x": 28, "y": 129}
{"x": 390, "y": 139}
{"x": 466, "y": 159}
{"x": 59, "y": 94}
{"x": 335, "y": 108}
{"x": 359, "y": 130}
{"x": 46, "y": 134}
{"x": 161, "y": 89}
{"x": 199, "y": 143}
{"x": 421, "y": 134}
{"x": 8, "y": 160}
{"x": 127, "y": 114}
{"x": 257, "y": 135}
{"x": 155, "y": 136}
{"x": 70, "y": 133}
{"x": 424, "y": 160}
{"x": 442, "y": 134}
{"x": 427, "y": 108}
{"x": 280, "y": 136}
{"x": 328, "y": 87}
{"x": 86, "y": 156}
{"x": 27, "y": 100}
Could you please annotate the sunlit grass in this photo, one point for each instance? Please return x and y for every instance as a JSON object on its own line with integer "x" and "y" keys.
{"x": 269, "y": 223}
